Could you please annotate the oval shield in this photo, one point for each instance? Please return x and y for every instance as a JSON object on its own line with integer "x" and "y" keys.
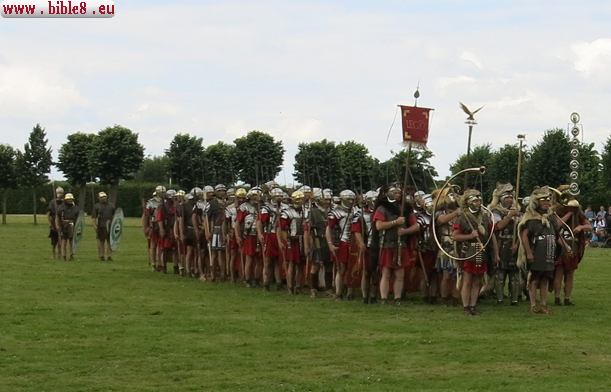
{"x": 116, "y": 230}
{"x": 79, "y": 229}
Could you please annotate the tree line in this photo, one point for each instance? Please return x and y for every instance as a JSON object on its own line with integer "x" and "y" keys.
{"x": 114, "y": 155}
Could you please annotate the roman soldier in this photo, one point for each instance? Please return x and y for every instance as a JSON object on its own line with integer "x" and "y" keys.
{"x": 102, "y": 215}
{"x": 166, "y": 219}
{"x": 178, "y": 222}
{"x": 362, "y": 227}
{"x": 67, "y": 215}
{"x": 51, "y": 215}
{"x": 315, "y": 243}
{"x": 290, "y": 240}
{"x": 446, "y": 211}
{"x": 505, "y": 218}
{"x": 245, "y": 231}
{"x": 392, "y": 228}
{"x": 338, "y": 235}
{"x": 267, "y": 224}
{"x": 231, "y": 214}
{"x": 188, "y": 234}
{"x": 426, "y": 248}
{"x": 204, "y": 254}
{"x": 149, "y": 224}
{"x": 213, "y": 228}
{"x": 538, "y": 230}
{"x": 572, "y": 225}
{"x": 471, "y": 232}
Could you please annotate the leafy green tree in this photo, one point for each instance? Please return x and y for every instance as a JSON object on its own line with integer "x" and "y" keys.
{"x": 503, "y": 168}
{"x": 421, "y": 173}
{"x": 186, "y": 154}
{"x": 154, "y": 169}
{"x": 605, "y": 160}
{"x": 258, "y": 157}
{"x": 356, "y": 166}
{"x": 74, "y": 162}
{"x": 549, "y": 160}
{"x": 592, "y": 192}
{"x": 8, "y": 174}
{"x": 219, "y": 165}
{"x": 35, "y": 163}
{"x": 116, "y": 156}
{"x": 480, "y": 156}
{"x": 318, "y": 164}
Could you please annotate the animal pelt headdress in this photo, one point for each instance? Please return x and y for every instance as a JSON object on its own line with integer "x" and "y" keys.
{"x": 463, "y": 203}
{"x": 499, "y": 194}
{"x": 442, "y": 200}
{"x": 533, "y": 213}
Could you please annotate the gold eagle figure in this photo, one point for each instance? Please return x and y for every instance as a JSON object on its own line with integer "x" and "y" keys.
{"x": 468, "y": 112}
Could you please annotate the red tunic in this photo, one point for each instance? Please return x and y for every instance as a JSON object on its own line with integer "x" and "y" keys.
{"x": 470, "y": 266}
{"x": 407, "y": 253}
{"x": 271, "y": 241}
{"x": 291, "y": 253}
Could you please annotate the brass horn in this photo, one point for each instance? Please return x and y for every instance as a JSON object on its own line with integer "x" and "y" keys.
{"x": 563, "y": 197}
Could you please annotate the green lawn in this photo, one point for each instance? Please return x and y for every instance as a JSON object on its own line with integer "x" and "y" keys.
{"x": 94, "y": 326}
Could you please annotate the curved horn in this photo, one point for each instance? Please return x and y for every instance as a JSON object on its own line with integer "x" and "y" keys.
{"x": 482, "y": 170}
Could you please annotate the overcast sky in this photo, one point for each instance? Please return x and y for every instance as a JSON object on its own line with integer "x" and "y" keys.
{"x": 308, "y": 70}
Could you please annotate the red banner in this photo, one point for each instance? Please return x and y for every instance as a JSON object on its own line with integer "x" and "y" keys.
{"x": 415, "y": 122}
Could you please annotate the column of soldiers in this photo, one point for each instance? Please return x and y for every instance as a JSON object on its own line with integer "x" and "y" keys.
{"x": 445, "y": 245}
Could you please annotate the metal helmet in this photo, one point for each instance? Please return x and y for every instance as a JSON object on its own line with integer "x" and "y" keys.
{"x": 317, "y": 193}
{"x": 297, "y": 197}
{"x": 241, "y": 192}
{"x": 428, "y": 204}
{"x": 160, "y": 189}
{"x": 170, "y": 194}
{"x": 189, "y": 196}
{"x": 526, "y": 201}
{"x": 231, "y": 192}
{"x": 220, "y": 187}
{"x": 277, "y": 194}
{"x": 59, "y": 191}
{"x": 69, "y": 196}
{"x": 370, "y": 198}
{"x": 347, "y": 198}
{"x": 180, "y": 192}
{"x": 254, "y": 191}
{"x": 392, "y": 192}
{"x": 208, "y": 189}
{"x": 102, "y": 194}
{"x": 196, "y": 191}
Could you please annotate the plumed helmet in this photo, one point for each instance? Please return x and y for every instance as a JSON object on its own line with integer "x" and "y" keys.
{"x": 241, "y": 192}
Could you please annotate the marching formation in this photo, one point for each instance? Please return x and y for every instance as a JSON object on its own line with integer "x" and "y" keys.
{"x": 446, "y": 245}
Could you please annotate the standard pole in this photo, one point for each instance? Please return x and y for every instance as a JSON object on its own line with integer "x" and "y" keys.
{"x": 468, "y": 154}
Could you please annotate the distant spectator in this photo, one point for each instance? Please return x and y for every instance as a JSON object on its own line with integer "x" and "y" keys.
{"x": 600, "y": 223}
{"x": 602, "y": 213}
{"x": 590, "y": 215}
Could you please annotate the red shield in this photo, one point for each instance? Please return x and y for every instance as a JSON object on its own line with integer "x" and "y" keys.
{"x": 354, "y": 268}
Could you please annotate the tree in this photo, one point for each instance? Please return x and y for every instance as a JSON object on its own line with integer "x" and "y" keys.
{"x": 480, "y": 156}
{"x": 258, "y": 157}
{"x": 592, "y": 191}
{"x": 186, "y": 154}
{"x": 356, "y": 165}
{"x": 605, "y": 160}
{"x": 318, "y": 164}
{"x": 74, "y": 162}
{"x": 155, "y": 169}
{"x": 116, "y": 156}
{"x": 503, "y": 168}
{"x": 35, "y": 163}
{"x": 219, "y": 164}
{"x": 421, "y": 175}
{"x": 8, "y": 174}
{"x": 549, "y": 160}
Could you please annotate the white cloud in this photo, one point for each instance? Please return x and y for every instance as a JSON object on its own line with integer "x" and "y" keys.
{"x": 592, "y": 57}
{"x": 472, "y": 58}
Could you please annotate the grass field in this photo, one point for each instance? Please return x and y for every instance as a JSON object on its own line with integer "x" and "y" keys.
{"x": 88, "y": 325}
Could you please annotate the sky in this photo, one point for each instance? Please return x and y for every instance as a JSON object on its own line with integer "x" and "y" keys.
{"x": 303, "y": 71}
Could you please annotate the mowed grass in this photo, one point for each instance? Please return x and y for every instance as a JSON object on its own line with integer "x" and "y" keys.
{"x": 116, "y": 326}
